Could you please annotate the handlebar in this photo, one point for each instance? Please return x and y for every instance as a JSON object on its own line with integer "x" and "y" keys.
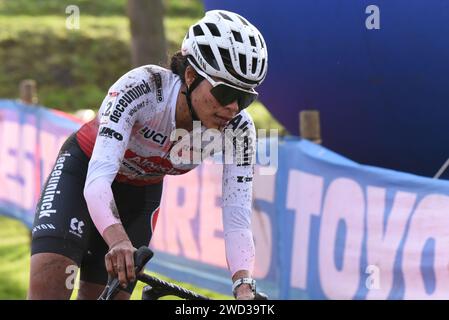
{"x": 157, "y": 288}
{"x": 141, "y": 257}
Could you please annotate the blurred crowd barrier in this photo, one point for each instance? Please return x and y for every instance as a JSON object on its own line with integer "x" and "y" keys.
{"x": 324, "y": 226}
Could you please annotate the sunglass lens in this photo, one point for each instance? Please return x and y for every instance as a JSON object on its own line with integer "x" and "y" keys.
{"x": 226, "y": 95}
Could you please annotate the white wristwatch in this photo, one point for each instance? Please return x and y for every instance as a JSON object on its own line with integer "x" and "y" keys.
{"x": 241, "y": 281}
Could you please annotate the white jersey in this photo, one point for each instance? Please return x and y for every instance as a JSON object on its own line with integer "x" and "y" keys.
{"x": 129, "y": 141}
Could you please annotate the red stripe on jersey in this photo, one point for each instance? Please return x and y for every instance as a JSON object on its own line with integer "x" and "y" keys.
{"x": 87, "y": 135}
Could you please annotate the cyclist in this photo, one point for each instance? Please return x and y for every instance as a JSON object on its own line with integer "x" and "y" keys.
{"x": 102, "y": 197}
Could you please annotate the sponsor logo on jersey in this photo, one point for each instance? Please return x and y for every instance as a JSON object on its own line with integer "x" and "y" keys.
{"x": 244, "y": 179}
{"x": 153, "y": 135}
{"x": 130, "y": 95}
{"x": 234, "y": 124}
{"x": 45, "y": 208}
{"x": 44, "y": 226}
{"x": 158, "y": 82}
{"x": 138, "y": 107}
{"x": 76, "y": 227}
{"x": 241, "y": 140}
{"x": 110, "y": 133}
{"x": 149, "y": 166}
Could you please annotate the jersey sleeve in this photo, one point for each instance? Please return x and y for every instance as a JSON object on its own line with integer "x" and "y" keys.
{"x": 237, "y": 193}
{"x": 117, "y": 116}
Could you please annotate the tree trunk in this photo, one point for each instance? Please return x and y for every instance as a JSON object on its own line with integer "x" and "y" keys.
{"x": 148, "y": 44}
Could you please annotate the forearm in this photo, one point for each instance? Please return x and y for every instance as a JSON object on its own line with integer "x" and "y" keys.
{"x": 239, "y": 244}
{"x": 114, "y": 234}
{"x": 240, "y": 250}
{"x": 101, "y": 205}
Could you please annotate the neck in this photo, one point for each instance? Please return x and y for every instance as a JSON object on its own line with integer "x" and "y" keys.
{"x": 183, "y": 117}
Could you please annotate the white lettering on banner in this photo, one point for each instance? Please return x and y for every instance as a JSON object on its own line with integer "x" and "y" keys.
{"x": 344, "y": 201}
{"x": 304, "y": 194}
{"x": 263, "y": 189}
{"x": 211, "y": 226}
{"x": 419, "y": 253}
{"x": 176, "y": 218}
{"x": 430, "y": 222}
{"x": 11, "y": 188}
{"x": 383, "y": 242}
{"x": 27, "y": 165}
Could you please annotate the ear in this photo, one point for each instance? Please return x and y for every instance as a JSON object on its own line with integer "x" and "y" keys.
{"x": 189, "y": 75}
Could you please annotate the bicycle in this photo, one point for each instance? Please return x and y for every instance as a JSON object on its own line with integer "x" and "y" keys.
{"x": 155, "y": 288}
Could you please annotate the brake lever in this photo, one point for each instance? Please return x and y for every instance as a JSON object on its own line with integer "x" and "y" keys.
{"x": 141, "y": 257}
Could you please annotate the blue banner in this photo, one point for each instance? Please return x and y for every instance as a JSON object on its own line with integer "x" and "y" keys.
{"x": 30, "y": 138}
{"x": 324, "y": 227}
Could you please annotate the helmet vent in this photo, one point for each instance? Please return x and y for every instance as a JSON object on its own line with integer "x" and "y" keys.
{"x": 237, "y": 36}
{"x": 252, "y": 40}
{"x": 242, "y": 59}
{"x": 213, "y": 29}
{"x": 254, "y": 67}
{"x": 261, "y": 42}
{"x": 263, "y": 66}
{"x": 197, "y": 31}
{"x": 243, "y": 21}
{"x": 208, "y": 55}
{"x": 225, "y": 55}
{"x": 224, "y": 15}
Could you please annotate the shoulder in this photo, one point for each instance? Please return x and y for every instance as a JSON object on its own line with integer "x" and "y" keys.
{"x": 149, "y": 77}
{"x": 144, "y": 90}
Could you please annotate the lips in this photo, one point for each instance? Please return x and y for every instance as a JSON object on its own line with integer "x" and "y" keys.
{"x": 226, "y": 119}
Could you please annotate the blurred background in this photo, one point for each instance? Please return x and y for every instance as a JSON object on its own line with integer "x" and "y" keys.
{"x": 370, "y": 78}
{"x": 73, "y": 65}
{"x": 74, "y": 68}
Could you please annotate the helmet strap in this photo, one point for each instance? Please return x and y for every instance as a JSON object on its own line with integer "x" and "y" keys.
{"x": 188, "y": 94}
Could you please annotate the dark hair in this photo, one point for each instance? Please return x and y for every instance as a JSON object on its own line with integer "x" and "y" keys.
{"x": 178, "y": 65}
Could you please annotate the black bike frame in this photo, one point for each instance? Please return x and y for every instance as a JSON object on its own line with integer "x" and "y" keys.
{"x": 156, "y": 288}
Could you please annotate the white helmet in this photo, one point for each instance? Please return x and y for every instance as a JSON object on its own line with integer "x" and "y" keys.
{"x": 225, "y": 45}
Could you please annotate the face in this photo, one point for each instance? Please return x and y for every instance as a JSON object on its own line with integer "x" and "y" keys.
{"x": 209, "y": 110}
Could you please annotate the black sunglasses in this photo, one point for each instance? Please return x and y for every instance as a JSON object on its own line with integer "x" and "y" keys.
{"x": 226, "y": 93}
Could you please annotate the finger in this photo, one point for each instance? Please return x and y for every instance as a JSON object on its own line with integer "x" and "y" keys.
{"x": 109, "y": 264}
{"x": 121, "y": 270}
{"x": 114, "y": 264}
{"x": 130, "y": 266}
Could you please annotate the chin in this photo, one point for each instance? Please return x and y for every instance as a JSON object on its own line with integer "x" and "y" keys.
{"x": 213, "y": 126}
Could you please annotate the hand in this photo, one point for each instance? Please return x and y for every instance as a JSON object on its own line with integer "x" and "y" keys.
{"x": 244, "y": 292}
{"x": 120, "y": 262}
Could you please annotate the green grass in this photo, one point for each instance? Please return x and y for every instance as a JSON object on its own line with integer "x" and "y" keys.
{"x": 190, "y": 8}
{"x": 92, "y": 27}
{"x": 73, "y": 68}
{"x": 15, "y": 265}
{"x": 14, "y": 259}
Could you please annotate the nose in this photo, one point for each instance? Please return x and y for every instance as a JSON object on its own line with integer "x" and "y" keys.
{"x": 233, "y": 107}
